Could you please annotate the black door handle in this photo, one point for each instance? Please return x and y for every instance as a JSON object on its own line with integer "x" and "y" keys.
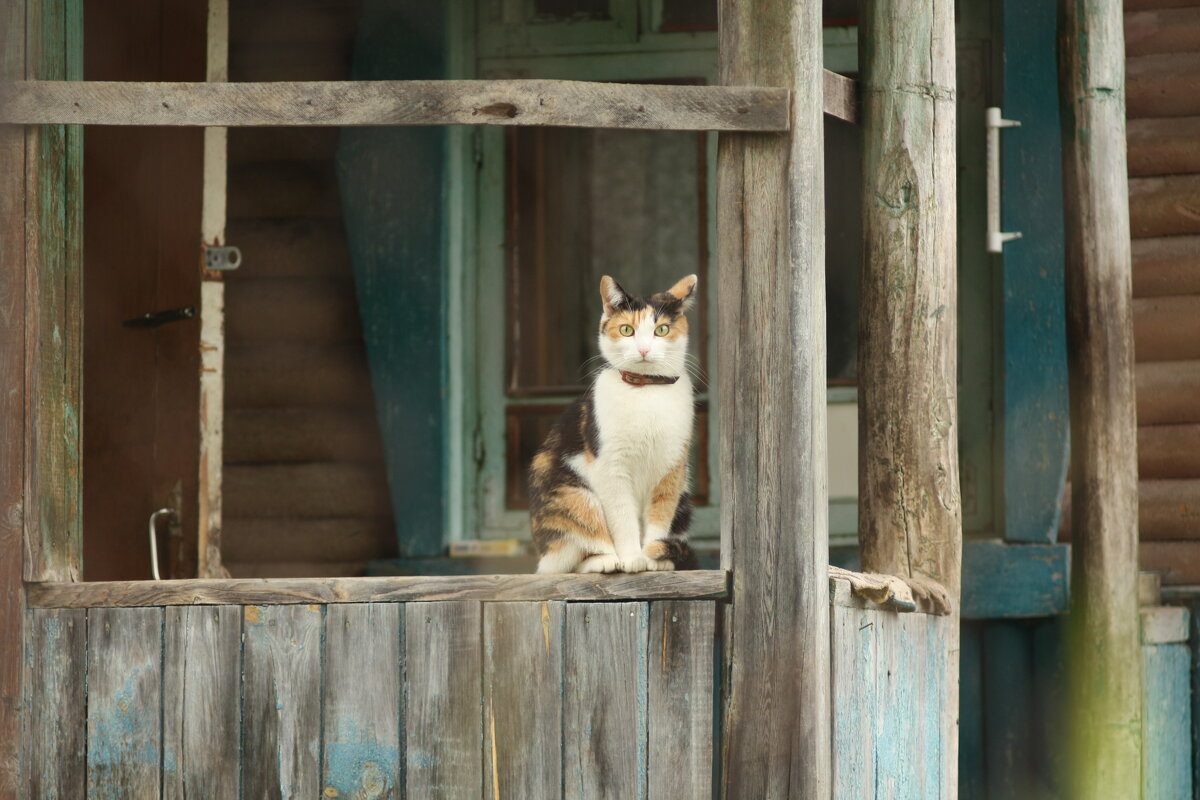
{"x": 152, "y": 319}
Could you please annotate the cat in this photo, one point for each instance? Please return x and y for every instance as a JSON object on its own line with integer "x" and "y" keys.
{"x": 608, "y": 489}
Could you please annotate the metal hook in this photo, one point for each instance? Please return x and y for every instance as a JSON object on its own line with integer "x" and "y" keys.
{"x": 169, "y": 512}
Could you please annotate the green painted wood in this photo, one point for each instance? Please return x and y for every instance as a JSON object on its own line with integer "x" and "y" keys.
{"x": 680, "y": 688}
{"x": 124, "y": 702}
{"x": 1008, "y": 713}
{"x": 855, "y": 707}
{"x": 604, "y": 702}
{"x": 1193, "y": 604}
{"x": 281, "y": 680}
{"x": 202, "y": 710}
{"x": 1001, "y": 580}
{"x": 1167, "y": 738}
{"x": 55, "y": 670}
{"x": 1035, "y": 421}
{"x": 970, "y": 715}
{"x": 392, "y": 182}
{"x": 523, "y": 652}
{"x": 361, "y": 720}
{"x": 54, "y": 320}
{"x": 442, "y": 700}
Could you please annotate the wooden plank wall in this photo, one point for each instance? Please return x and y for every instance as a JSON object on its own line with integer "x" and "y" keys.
{"x": 1163, "y": 106}
{"x": 305, "y": 492}
{"x": 437, "y": 699}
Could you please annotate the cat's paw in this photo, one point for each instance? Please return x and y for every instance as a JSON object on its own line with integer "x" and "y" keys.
{"x": 607, "y": 562}
{"x": 661, "y": 565}
{"x": 637, "y": 563}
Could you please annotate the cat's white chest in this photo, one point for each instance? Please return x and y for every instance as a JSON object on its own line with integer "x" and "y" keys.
{"x": 644, "y": 430}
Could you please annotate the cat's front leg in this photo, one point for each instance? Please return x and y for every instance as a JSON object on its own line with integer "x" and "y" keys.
{"x": 660, "y": 515}
{"x": 621, "y": 515}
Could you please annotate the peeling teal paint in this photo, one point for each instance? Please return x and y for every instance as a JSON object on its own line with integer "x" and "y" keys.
{"x": 358, "y": 766}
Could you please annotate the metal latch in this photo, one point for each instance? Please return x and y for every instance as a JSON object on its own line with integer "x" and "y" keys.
{"x": 995, "y": 237}
{"x": 222, "y": 259}
{"x": 152, "y": 319}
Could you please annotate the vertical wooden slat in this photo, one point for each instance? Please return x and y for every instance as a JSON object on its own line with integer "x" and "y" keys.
{"x": 124, "y": 702}
{"x": 680, "y": 700}
{"x": 442, "y": 692}
{"x": 1008, "y": 692}
{"x": 775, "y": 506}
{"x": 1105, "y": 675}
{"x": 362, "y": 701}
{"x": 54, "y": 322}
{"x": 282, "y": 701}
{"x": 896, "y": 753}
{"x": 970, "y": 746}
{"x": 604, "y": 701}
{"x": 202, "y": 713}
{"x": 12, "y": 402}
{"x": 853, "y": 676}
{"x": 56, "y": 651}
{"x": 522, "y": 699}
{"x": 1167, "y": 750}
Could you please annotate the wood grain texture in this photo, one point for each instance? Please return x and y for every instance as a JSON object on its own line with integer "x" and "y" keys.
{"x": 281, "y": 676}
{"x": 1164, "y": 146}
{"x": 442, "y": 693}
{"x": 1167, "y": 752}
{"x": 363, "y": 664}
{"x": 1167, "y": 392}
{"x": 12, "y": 404}
{"x": 574, "y": 104}
{"x": 642, "y": 586}
{"x": 1105, "y": 672}
{"x": 523, "y": 662}
{"x": 1166, "y": 265}
{"x": 54, "y": 324}
{"x": 775, "y": 504}
{"x": 1164, "y": 206}
{"x": 1027, "y": 580}
{"x": 1168, "y": 509}
{"x": 1163, "y": 85}
{"x": 604, "y": 701}
{"x": 1168, "y": 451}
{"x": 124, "y": 702}
{"x": 202, "y": 692}
{"x": 55, "y": 750}
{"x": 1174, "y": 30}
{"x": 854, "y": 704}
{"x": 1167, "y": 328}
{"x": 680, "y": 741}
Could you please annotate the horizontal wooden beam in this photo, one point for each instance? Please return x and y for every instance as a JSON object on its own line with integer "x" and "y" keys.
{"x": 571, "y": 104}
{"x": 644, "y": 586}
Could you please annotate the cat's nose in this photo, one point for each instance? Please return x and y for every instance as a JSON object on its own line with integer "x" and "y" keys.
{"x": 644, "y": 351}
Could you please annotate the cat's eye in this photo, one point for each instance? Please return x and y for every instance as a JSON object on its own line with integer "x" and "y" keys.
{"x": 626, "y": 330}
{"x": 662, "y": 330}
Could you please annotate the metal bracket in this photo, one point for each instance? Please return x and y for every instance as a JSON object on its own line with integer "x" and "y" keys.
{"x": 994, "y": 122}
{"x": 152, "y": 319}
{"x": 222, "y": 259}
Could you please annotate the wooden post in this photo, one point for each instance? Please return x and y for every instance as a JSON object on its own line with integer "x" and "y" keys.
{"x": 1105, "y": 674}
{"x": 774, "y": 512}
{"x": 910, "y": 515}
{"x": 12, "y": 404}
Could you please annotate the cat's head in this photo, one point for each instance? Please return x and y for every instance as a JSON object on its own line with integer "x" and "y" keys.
{"x": 646, "y": 334}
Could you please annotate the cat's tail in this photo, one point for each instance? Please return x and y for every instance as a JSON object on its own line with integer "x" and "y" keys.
{"x": 677, "y": 550}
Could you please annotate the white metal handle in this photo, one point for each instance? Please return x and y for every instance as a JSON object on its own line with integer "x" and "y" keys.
{"x": 994, "y": 122}
{"x": 168, "y": 512}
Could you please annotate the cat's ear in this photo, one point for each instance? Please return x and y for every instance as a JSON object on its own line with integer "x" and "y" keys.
{"x": 611, "y": 294}
{"x": 685, "y": 291}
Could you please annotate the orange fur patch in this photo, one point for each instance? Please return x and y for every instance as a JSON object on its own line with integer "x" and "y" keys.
{"x": 665, "y": 499}
{"x": 656, "y": 550}
{"x": 573, "y": 510}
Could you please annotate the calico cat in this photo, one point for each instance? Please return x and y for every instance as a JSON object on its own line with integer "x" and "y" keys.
{"x": 608, "y": 490}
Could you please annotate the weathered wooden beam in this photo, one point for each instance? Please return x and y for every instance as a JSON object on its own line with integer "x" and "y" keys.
{"x": 910, "y": 511}
{"x": 1164, "y": 146}
{"x": 261, "y": 591}
{"x": 1105, "y": 657}
{"x": 1167, "y": 392}
{"x": 1166, "y": 85}
{"x": 575, "y": 104}
{"x": 1167, "y": 328}
{"x": 12, "y": 403}
{"x": 1166, "y": 265}
{"x": 775, "y": 504}
{"x": 1168, "y": 451}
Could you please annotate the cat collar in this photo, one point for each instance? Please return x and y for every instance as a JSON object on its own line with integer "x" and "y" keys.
{"x": 639, "y": 379}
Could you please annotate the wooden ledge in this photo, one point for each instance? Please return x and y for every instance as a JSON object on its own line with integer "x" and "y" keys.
{"x": 705, "y": 584}
{"x": 572, "y": 104}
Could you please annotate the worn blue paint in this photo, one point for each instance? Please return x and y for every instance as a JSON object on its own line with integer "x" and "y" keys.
{"x": 357, "y": 764}
{"x": 1003, "y": 581}
{"x": 1167, "y": 722}
{"x": 392, "y": 195}
{"x": 1034, "y": 417}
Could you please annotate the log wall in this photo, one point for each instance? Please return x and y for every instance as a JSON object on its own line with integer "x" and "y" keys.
{"x": 1164, "y": 204}
{"x": 305, "y": 492}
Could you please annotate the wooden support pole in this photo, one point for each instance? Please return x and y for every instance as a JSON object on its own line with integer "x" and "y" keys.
{"x": 910, "y": 514}
{"x": 1105, "y": 674}
{"x": 774, "y": 511}
{"x": 12, "y": 406}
